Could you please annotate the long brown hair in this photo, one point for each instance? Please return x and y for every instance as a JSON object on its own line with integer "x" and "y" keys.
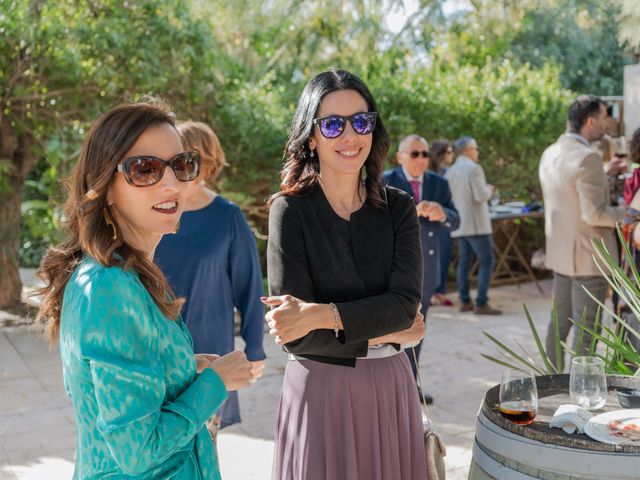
{"x": 109, "y": 139}
{"x": 300, "y": 171}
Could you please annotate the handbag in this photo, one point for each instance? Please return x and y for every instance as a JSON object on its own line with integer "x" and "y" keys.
{"x": 434, "y": 448}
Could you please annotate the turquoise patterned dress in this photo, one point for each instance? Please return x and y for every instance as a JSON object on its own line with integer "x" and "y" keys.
{"x": 140, "y": 406}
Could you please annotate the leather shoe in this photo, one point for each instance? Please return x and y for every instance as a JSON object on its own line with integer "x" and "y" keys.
{"x": 487, "y": 309}
{"x": 427, "y": 398}
{"x": 466, "y": 307}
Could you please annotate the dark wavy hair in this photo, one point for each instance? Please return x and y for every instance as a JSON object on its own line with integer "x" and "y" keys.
{"x": 109, "y": 139}
{"x": 300, "y": 171}
{"x": 437, "y": 151}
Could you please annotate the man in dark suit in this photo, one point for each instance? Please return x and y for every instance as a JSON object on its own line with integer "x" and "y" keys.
{"x": 434, "y": 208}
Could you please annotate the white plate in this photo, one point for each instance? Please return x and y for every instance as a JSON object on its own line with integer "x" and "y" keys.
{"x": 598, "y": 427}
{"x": 500, "y": 209}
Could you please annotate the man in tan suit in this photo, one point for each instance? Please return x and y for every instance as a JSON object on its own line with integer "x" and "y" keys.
{"x": 576, "y": 209}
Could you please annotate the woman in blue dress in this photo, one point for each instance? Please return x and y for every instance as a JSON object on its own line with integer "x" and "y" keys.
{"x": 140, "y": 396}
{"x": 213, "y": 262}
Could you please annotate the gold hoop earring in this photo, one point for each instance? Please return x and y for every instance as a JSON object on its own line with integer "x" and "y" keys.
{"x": 177, "y": 228}
{"x": 109, "y": 221}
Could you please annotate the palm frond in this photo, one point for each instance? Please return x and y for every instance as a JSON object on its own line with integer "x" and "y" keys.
{"x": 610, "y": 343}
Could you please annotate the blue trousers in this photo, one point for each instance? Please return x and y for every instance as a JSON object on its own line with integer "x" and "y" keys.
{"x": 482, "y": 247}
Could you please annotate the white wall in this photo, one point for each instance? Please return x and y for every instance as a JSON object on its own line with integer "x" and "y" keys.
{"x": 631, "y": 99}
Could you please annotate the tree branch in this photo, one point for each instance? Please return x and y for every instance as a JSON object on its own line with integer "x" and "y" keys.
{"x": 18, "y": 73}
{"x": 55, "y": 93}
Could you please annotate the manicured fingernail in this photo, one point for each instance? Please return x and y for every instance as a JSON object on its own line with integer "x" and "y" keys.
{"x": 263, "y": 299}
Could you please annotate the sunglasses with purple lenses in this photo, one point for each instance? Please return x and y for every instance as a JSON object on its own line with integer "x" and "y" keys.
{"x": 332, "y": 126}
{"x": 146, "y": 170}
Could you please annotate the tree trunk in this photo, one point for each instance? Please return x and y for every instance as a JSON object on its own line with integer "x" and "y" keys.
{"x": 17, "y": 150}
{"x": 10, "y": 284}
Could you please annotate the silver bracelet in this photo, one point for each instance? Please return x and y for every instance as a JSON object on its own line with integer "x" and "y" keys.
{"x": 336, "y": 317}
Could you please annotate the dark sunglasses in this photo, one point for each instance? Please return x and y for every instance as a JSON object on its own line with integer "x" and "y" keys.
{"x": 146, "y": 170}
{"x": 332, "y": 126}
{"x": 416, "y": 153}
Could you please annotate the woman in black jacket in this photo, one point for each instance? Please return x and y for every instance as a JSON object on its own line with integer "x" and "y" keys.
{"x": 345, "y": 272}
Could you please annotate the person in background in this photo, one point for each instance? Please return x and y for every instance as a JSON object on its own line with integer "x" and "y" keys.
{"x": 576, "y": 210}
{"x": 440, "y": 156}
{"x": 471, "y": 192}
{"x": 435, "y": 212}
{"x": 140, "y": 396}
{"x": 342, "y": 256}
{"x": 212, "y": 261}
{"x": 631, "y": 234}
{"x": 440, "y": 159}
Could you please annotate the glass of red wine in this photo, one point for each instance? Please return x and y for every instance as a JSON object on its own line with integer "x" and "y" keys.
{"x": 518, "y": 396}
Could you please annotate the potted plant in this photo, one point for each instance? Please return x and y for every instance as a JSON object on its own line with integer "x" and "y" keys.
{"x": 617, "y": 351}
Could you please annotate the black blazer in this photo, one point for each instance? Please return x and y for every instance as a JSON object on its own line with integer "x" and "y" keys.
{"x": 370, "y": 267}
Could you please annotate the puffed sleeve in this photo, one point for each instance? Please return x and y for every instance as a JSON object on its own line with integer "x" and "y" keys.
{"x": 119, "y": 339}
{"x": 288, "y": 272}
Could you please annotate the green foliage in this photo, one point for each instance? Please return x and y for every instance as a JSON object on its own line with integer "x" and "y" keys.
{"x": 241, "y": 66}
{"x": 616, "y": 349}
{"x": 580, "y": 36}
{"x": 513, "y": 112}
{"x": 65, "y": 62}
{"x": 628, "y": 31}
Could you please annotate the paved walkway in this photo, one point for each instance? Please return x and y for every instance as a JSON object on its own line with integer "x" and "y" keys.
{"x": 37, "y": 435}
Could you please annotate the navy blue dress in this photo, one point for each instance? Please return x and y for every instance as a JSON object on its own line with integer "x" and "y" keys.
{"x": 213, "y": 262}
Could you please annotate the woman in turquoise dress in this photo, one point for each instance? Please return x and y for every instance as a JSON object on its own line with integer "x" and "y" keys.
{"x": 140, "y": 396}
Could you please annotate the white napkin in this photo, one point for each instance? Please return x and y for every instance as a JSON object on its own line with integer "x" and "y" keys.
{"x": 570, "y": 418}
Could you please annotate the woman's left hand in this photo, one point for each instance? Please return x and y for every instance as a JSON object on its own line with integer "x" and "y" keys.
{"x": 204, "y": 359}
{"x": 287, "y": 320}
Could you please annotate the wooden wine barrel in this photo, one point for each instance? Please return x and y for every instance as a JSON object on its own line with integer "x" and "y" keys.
{"x": 505, "y": 451}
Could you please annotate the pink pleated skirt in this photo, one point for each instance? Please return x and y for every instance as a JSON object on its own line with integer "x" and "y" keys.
{"x": 344, "y": 423}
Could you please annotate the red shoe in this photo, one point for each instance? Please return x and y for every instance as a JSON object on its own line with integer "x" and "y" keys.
{"x": 441, "y": 299}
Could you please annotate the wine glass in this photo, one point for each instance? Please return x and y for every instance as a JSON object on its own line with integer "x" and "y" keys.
{"x": 588, "y": 382}
{"x": 494, "y": 201}
{"x": 620, "y": 147}
{"x": 518, "y": 396}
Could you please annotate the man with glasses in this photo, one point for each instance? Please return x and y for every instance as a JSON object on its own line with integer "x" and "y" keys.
{"x": 471, "y": 192}
{"x": 434, "y": 208}
{"x": 577, "y": 210}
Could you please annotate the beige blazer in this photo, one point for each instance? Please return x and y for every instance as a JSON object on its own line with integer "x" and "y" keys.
{"x": 576, "y": 207}
{"x": 470, "y": 193}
